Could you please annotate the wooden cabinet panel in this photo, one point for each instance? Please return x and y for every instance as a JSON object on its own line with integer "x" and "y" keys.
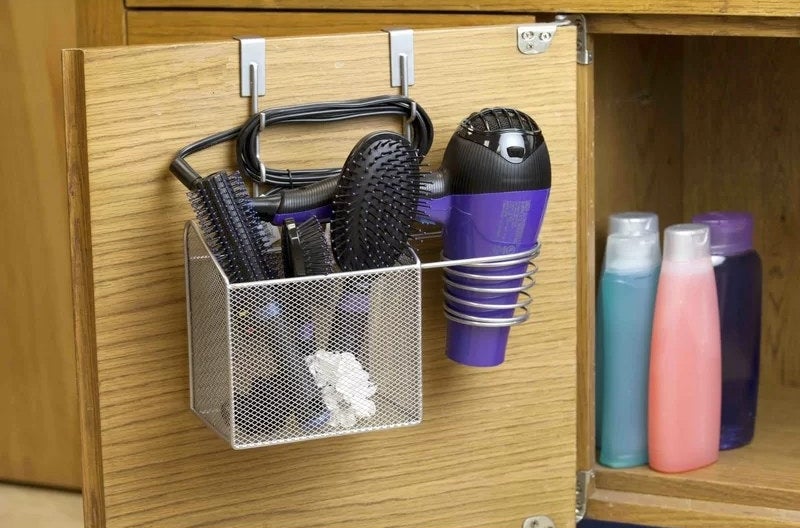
{"x": 638, "y": 147}
{"x": 718, "y": 26}
{"x": 496, "y": 445}
{"x": 745, "y": 154}
{"x": 685, "y": 7}
{"x": 39, "y": 438}
{"x": 763, "y": 474}
{"x": 659, "y": 510}
{"x": 152, "y": 27}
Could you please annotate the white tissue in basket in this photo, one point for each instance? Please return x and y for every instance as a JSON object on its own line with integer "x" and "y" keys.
{"x": 345, "y": 385}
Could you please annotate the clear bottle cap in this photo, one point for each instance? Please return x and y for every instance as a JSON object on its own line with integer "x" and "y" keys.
{"x": 632, "y": 223}
{"x": 631, "y": 253}
{"x": 686, "y": 242}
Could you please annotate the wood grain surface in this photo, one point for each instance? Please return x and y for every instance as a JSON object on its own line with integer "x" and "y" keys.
{"x": 100, "y": 22}
{"x": 496, "y": 446}
{"x": 586, "y": 256}
{"x": 38, "y": 399}
{"x": 83, "y": 287}
{"x": 153, "y": 27}
{"x": 638, "y": 129}
{"x": 39, "y": 438}
{"x": 765, "y": 473}
{"x": 694, "y": 25}
{"x": 688, "y": 7}
{"x": 757, "y": 170}
{"x": 653, "y": 510}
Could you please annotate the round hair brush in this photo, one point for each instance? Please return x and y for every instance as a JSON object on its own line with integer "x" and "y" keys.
{"x": 374, "y": 213}
{"x": 231, "y": 228}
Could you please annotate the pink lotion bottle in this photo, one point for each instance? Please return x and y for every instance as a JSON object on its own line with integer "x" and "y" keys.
{"x": 685, "y": 386}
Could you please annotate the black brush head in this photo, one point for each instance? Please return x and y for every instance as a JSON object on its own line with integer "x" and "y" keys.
{"x": 293, "y": 264}
{"x": 375, "y": 205}
{"x": 317, "y": 255}
{"x": 305, "y": 249}
{"x": 231, "y": 228}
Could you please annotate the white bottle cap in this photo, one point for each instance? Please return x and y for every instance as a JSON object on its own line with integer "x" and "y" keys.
{"x": 631, "y": 253}
{"x": 632, "y": 223}
{"x": 686, "y": 242}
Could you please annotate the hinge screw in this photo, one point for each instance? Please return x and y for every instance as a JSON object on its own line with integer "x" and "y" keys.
{"x": 545, "y": 36}
{"x": 539, "y": 521}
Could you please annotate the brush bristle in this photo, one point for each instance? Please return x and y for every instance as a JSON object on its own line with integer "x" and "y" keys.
{"x": 376, "y": 203}
{"x": 231, "y": 228}
{"x": 317, "y": 254}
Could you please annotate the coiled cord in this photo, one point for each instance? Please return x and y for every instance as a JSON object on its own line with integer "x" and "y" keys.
{"x": 247, "y": 137}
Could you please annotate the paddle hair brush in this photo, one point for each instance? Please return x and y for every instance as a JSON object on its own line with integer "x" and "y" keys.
{"x": 373, "y": 219}
{"x": 306, "y": 252}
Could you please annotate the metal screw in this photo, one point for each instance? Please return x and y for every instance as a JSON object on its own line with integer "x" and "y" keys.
{"x": 546, "y": 36}
{"x": 540, "y": 521}
{"x": 527, "y": 35}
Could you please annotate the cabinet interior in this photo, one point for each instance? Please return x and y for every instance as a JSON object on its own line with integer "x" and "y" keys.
{"x": 687, "y": 124}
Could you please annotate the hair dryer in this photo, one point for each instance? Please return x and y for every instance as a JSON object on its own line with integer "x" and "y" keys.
{"x": 490, "y": 196}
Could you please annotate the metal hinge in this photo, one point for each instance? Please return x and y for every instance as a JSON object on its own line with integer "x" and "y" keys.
{"x": 533, "y": 39}
{"x": 582, "y": 484}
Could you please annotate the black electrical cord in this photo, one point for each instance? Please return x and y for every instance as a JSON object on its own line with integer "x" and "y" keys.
{"x": 246, "y": 144}
{"x": 247, "y": 137}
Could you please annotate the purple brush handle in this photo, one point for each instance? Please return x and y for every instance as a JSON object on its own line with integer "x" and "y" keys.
{"x": 483, "y": 225}
{"x": 323, "y": 214}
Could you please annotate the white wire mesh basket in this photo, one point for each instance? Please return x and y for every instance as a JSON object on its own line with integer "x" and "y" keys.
{"x": 287, "y": 360}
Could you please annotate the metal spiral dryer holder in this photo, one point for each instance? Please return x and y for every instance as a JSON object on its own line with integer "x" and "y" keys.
{"x": 482, "y": 264}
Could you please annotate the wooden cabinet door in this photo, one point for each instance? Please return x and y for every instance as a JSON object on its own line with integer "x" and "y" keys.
{"x": 496, "y": 445}
{"x": 649, "y": 7}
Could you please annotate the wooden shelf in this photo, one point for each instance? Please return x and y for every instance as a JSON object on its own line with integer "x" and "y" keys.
{"x": 766, "y": 473}
{"x": 678, "y": 7}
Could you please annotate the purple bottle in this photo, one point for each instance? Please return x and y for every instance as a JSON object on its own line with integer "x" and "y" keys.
{"x": 737, "y": 268}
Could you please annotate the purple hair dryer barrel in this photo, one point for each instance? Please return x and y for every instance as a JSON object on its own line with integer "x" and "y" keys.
{"x": 490, "y": 196}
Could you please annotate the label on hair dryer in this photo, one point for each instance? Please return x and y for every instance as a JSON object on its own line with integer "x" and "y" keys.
{"x": 511, "y": 228}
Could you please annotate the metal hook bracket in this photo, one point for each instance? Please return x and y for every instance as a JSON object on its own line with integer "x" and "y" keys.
{"x": 253, "y": 83}
{"x": 252, "y": 52}
{"x": 401, "y": 64}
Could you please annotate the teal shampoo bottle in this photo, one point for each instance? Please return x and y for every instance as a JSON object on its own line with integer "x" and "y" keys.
{"x": 629, "y": 282}
{"x": 624, "y": 223}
